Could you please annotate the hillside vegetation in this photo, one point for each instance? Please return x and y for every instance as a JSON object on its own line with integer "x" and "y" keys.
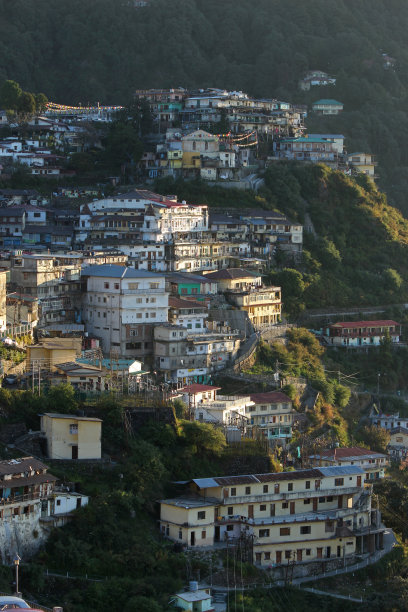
{"x": 102, "y": 51}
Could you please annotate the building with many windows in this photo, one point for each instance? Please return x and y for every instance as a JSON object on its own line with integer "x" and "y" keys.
{"x": 121, "y": 306}
{"x": 306, "y": 515}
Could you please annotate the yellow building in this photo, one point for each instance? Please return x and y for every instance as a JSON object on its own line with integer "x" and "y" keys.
{"x": 363, "y": 162}
{"x": 51, "y": 351}
{"x": 305, "y": 515}
{"x": 71, "y": 437}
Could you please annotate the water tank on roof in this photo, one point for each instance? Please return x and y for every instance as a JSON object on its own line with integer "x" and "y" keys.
{"x": 193, "y": 585}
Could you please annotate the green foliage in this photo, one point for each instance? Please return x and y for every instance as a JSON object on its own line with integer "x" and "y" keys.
{"x": 202, "y": 438}
{"x": 61, "y": 398}
{"x": 10, "y": 94}
{"x": 373, "y": 437}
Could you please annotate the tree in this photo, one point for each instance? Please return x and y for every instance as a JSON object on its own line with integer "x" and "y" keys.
{"x": 41, "y": 102}
{"x": 376, "y": 438}
{"x": 61, "y": 398}
{"x": 10, "y": 95}
{"x": 26, "y": 104}
{"x": 203, "y": 437}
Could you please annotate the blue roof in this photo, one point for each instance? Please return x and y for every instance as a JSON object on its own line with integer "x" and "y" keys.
{"x": 116, "y": 271}
{"x": 340, "y": 470}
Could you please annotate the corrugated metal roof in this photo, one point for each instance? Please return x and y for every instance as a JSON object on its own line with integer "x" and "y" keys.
{"x": 339, "y": 470}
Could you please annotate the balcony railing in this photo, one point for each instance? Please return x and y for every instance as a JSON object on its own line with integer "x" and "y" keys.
{"x": 16, "y": 499}
{"x": 290, "y": 495}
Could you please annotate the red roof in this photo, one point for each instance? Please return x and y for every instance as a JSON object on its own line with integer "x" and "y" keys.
{"x": 271, "y": 397}
{"x": 175, "y": 302}
{"x": 345, "y": 453}
{"x": 352, "y": 324}
{"x": 197, "y": 388}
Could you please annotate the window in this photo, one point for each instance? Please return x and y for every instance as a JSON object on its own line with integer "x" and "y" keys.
{"x": 262, "y": 508}
{"x": 307, "y": 484}
{"x": 267, "y": 556}
{"x": 106, "y": 285}
{"x": 284, "y": 531}
{"x": 290, "y": 486}
{"x": 58, "y": 502}
{"x": 329, "y": 498}
{"x": 203, "y": 535}
{"x": 276, "y": 487}
{"x": 230, "y": 527}
{"x": 338, "y": 482}
{"x": 247, "y": 490}
{"x": 201, "y": 515}
{"x": 322, "y": 500}
{"x": 233, "y": 491}
{"x": 308, "y": 552}
{"x": 264, "y": 533}
{"x": 288, "y": 554}
{"x": 180, "y": 534}
{"x": 265, "y": 488}
{"x": 305, "y": 529}
{"x": 306, "y": 501}
{"x": 258, "y": 556}
{"x": 285, "y": 505}
{"x": 133, "y": 286}
{"x": 116, "y": 285}
{"x": 154, "y": 285}
{"x": 73, "y": 429}
{"x": 230, "y": 510}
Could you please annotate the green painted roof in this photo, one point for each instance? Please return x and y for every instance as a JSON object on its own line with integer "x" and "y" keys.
{"x": 328, "y": 101}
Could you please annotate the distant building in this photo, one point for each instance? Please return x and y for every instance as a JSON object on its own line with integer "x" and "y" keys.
{"x": 194, "y": 600}
{"x": 352, "y": 334}
{"x": 273, "y": 414}
{"x": 72, "y": 437}
{"x": 371, "y": 462}
{"x": 398, "y": 445}
{"x": 52, "y": 351}
{"x": 327, "y": 107}
{"x": 363, "y": 162}
{"x": 316, "y": 78}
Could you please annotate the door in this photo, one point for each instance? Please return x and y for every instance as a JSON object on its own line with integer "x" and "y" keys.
{"x": 78, "y": 502}
{"x": 299, "y": 554}
{"x": 315, "y": 504}
{"x": 319, "y": 553}
{"x": 359, "y": 481}
{"x": 278, "y": 556}
{"x": 340, "y": 502}
{"x": 328, "y": 552}
{"x": 250, "y": 512}
{"x": 339, "y": 551}
{"x": 192, "y": 538}
{"x": 292, "y": 507}
{"x": 74, "y": 452}
{"x": 217, "y": 533}
{"x": 272, "y": 509}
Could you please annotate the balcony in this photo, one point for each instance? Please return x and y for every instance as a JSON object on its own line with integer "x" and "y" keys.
{"x": 17, "y": 499}
{"x": 290, "y": 495}
{"x": 142, "y": 290}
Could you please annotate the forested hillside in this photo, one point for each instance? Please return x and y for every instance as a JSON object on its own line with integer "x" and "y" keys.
{"x": 102, "y": 50}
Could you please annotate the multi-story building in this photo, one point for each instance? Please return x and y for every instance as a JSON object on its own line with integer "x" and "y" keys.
{"x": 272, "y": 414}
{"x": 121, "y": 306}
{"x": 388, "y": 421}
{"x": 373, "y": 463}
{"x": 71, "y": 437}
{"x": 263, "y": 305}
{"x": 185, "y": 356}
{"x": 56, "y": 286}
{"x": 301, "y": 516}
{"x": 353, "y": 334}
{"x": 327, "y": 107}
{"x": 188, "y": 313}
{"x": 363, "y": 162}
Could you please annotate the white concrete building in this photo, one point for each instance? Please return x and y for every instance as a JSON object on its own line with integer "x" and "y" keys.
{"x": 122, "y": 305}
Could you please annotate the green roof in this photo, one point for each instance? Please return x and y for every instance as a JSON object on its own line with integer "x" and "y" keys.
{"x": 328, "y": 101}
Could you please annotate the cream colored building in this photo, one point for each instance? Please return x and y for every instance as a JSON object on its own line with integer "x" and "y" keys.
{"x": 364, "y": 162}
{"x": 51, "y": 351}
{"x": 272, "y": 413}
{"x": 374, "y": 464}
{"x": 304, "y": 515}
{"x": 233, "y": 279}
{"x": 72, "y": 437}
{"x": 263, "y": 305}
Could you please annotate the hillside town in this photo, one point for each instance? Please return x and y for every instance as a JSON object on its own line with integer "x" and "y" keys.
{"x": 113, "y": 292}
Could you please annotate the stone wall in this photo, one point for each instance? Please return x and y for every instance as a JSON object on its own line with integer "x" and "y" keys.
{"x": 24, "y": 534}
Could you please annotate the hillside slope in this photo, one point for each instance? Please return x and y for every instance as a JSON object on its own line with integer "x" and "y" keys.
{"x": 102, "y": 50}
